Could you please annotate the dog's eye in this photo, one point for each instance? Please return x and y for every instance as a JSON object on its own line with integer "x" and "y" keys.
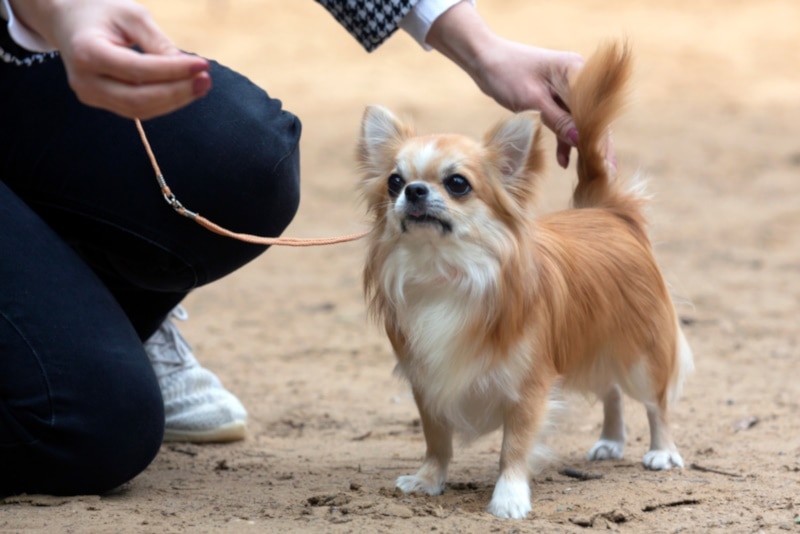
{"x": 396, "y": 184}
{"x": 457, "y": 185}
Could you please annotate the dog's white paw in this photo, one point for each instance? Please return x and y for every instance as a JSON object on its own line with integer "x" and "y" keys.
{"x": 662, "y": 459}
{"x": 606, "y": 449}
{"x": 412, "y": 483}
{"x": 511, "y": 499}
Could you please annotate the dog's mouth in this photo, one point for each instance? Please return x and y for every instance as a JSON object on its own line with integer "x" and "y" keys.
{"x": 418, "y": 218}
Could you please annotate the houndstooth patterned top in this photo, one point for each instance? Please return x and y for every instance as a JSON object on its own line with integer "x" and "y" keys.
{"x": 371, "y": 22}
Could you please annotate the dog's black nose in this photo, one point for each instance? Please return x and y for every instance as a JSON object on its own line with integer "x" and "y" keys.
{"x": 416, "y": 192}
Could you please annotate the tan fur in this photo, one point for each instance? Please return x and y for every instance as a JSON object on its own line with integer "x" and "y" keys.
{"x": 487, "y": 307}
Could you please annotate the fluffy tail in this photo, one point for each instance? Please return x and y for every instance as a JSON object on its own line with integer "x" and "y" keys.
{"x": 597, "y": 97}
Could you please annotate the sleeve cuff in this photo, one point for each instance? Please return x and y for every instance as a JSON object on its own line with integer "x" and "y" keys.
{"x": 21, "y": 34}
{"x": 422, "y": 16}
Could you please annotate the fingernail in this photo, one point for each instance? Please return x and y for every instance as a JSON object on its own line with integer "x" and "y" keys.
{"x": 572, "y": 135}
{"x": 197, "y": 68}
{"x": 201, "y": 85}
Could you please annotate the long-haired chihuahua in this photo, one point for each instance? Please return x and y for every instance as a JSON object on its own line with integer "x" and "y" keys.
{"x": 489, "y": 307}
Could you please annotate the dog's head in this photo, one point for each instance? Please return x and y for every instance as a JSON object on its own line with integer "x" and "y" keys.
{"x": 448, "y": 187}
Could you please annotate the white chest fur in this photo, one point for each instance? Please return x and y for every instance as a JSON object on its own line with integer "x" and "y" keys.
{"x": 457, "y": 374}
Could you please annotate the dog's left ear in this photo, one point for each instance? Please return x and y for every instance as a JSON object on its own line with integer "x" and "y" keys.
{"x": 514, "y": 146}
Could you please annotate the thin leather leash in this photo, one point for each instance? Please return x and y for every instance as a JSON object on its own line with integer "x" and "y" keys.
{"x": 169, "y": 196}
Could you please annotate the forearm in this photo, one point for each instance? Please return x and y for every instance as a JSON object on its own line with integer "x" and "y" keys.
{"x": 417, "y": 23}
{"x": 461, "y": 35}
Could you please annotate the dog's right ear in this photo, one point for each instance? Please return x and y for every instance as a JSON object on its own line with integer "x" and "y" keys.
{"x": 381, "y": 134}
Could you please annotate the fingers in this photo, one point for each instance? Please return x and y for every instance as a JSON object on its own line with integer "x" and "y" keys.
{"x": 129, "y": 66}
{"x": 563, "y": 151}
{"x": 96, "y": 41}
{"x": 142, "y": 101}
{"x": 140, "y": 29}
{"x": 133, "y": 84}
{"x": 561, "y": 123}
{"x": 555, "y": 113}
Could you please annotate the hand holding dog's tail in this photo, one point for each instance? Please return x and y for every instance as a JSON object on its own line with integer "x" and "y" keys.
{"x": 597, "y": 97}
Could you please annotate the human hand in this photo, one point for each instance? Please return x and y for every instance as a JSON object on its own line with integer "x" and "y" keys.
{"x": 517, "y": 76}
{"x": 94, "y": 38}
{"x": 521, "y": 77}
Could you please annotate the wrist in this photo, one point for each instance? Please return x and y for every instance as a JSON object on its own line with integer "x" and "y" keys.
{"x": 417, "y": 23}
{"x": 31, "y": 21}
{"x": 461, "y": 35}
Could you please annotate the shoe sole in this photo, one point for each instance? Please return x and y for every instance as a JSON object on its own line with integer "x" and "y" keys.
{"x": 235, "y": 431}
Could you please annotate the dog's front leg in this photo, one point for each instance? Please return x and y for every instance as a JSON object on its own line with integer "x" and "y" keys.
{"x": 521, "y": 424}
{"x": 430, "y": 478}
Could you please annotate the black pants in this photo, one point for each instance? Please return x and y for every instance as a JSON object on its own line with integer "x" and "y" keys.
{"x": 92, "y": 259}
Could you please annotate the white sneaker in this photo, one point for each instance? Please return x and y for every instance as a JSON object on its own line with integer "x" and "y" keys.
{"x": 197, "y": 407}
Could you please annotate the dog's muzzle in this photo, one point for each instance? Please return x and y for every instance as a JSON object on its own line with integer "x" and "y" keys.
{"x": 422, "y": 208}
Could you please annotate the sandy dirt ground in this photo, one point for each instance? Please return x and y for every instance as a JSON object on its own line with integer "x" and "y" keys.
{"x": 716, "y": 126}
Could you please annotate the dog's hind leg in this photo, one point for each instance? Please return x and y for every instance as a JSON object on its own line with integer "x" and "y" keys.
{"x": 662, "y": 454}
{"x": 611, "y": 444}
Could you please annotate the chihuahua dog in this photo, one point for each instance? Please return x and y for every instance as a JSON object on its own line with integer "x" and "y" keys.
{"x": 488, "y": 307}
